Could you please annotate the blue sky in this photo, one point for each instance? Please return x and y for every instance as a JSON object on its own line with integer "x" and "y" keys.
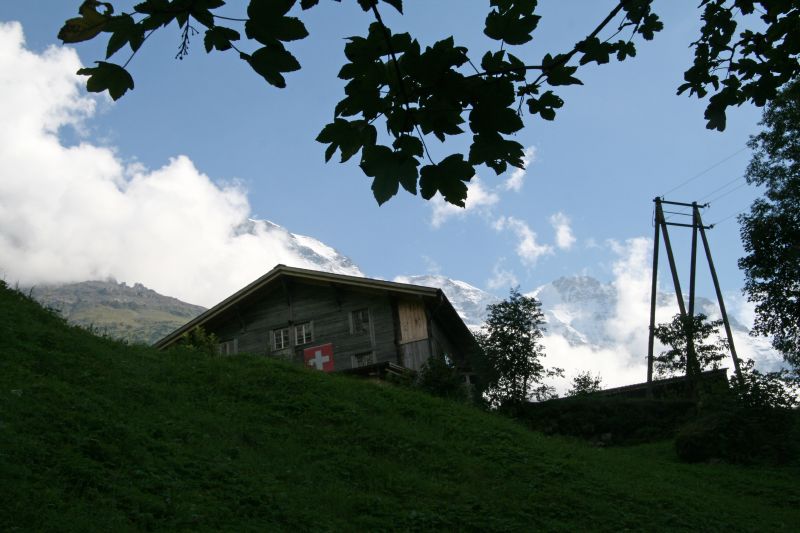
{"x": 621, "y": 139}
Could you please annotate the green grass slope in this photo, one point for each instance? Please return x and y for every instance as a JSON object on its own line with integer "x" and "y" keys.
{"x": 97, "y": 435}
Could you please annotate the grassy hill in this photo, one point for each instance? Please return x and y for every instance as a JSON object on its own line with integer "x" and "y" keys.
{"x": 134, "y": 314}
{"x": 97, "y": 435}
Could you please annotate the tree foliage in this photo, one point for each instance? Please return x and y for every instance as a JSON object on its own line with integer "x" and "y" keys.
{"x": 200, "y": 340}
{"x": 442, "y": 90}
{"x": 440, "y": 377}
{"x": 779, "y": 389}
{"x": 709, "y": 347}
{"x": 585, "y": 383}
{"x": 513, "y": 351}
{"x": 771, "y": 229}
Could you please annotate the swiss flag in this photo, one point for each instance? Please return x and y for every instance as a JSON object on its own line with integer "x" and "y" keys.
{"x": 319, "y": 357}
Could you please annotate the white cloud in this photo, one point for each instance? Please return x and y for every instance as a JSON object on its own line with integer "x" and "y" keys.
{"x": 75, "y": 213}
{"x": 517, "y": 177}
{"x": 528, "y": 249}
{"x": 564, "y": 237}
{"x": 621, "y": 357}
{"x": 501, "y": 277}
{"x": 479, "y": 199}
{"x": 432, "y": 266}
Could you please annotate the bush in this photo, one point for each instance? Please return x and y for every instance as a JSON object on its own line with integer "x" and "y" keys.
{"x": 439, "y": 378}
{"x": 198, "y": 340}
{"x": 726, "y": 430}
{"x": 607, "y": 420}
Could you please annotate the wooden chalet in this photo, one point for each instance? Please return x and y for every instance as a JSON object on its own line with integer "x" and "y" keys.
{"x": 335, "y": 322}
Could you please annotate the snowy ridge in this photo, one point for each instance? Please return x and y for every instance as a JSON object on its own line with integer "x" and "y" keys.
{"x": 469, "y": 301}
{"x": 300, "y": 250}
{"x": 591, "y": 318}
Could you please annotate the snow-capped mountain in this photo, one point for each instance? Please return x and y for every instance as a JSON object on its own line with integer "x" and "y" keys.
{"x": 586, "y": 313}
{"x": 301, "y": 251}
{"x": 469, "y": 301}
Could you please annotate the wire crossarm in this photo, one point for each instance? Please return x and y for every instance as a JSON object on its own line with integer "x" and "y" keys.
{"x": 661, "y": 231}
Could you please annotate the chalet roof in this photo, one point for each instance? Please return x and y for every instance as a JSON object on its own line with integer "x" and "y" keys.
{"x": 443, "y": 309}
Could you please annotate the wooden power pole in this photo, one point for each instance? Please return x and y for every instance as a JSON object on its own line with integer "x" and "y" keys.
{"x": 661, "y": 224}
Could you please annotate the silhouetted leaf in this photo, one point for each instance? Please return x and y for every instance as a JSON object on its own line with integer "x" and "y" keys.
{"x": 348, "y": 136}
{"x": 409, "y": 144}
{"x": 389, "y": 169}
{"x": 220, "y": 37}
{"x": 447, "y": 178}
{"x": 270, "y": 62}
{"x": 492, "y": 150}
{"x": 268, "y": 22}
{"x": 512, "y": 21}
{"x": 124, "y": 30}
{"x": 107, "y": 76}
{"x": 88, "y": 25}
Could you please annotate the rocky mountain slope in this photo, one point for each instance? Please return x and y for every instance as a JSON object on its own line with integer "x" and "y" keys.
{"x": 133, "y": 313}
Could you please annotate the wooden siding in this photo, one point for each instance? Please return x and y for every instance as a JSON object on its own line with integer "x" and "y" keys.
{"x": 329, "y": 311}
{"x": 442, "y": 343}
{"x": 414, "y": 354}
{"x": 401, "y": 330}
{"x": 413, "y": 321}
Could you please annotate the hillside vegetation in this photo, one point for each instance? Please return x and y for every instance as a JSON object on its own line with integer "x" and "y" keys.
{"x": 98, "y": 435}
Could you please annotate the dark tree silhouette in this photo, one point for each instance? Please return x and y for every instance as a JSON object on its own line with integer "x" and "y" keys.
{"x": 674, "y": 334}
{"x": 513, "y": 351}
{"x": 585, "y": 383}
{"x": 771, "y": 229}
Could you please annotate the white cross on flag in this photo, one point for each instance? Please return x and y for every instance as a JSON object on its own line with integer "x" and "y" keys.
{"x": 319, "y": 357}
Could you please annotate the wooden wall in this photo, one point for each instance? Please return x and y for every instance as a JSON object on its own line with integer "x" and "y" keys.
{"x": 401, "y": 330}
{"x": 329, "y": 310}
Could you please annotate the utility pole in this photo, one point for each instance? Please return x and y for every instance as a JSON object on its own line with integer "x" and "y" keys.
{"x": 661, "y": 224}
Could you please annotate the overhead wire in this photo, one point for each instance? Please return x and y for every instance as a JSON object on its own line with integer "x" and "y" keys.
{"x": 709, "y": 169}
{"x": 717, "y": 223}
{"x": 727, "y": 193}
{"x": 722, "y": 187}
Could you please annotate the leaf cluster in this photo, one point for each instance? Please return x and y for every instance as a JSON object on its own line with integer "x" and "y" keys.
{"x": 770, "y": 231}
{"x": 418, "y": 92}
{"x": 779, "y": 389}
{"x": 749, "y": 67}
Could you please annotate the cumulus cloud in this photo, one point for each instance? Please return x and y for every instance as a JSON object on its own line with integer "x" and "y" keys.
{"x": 501, "y": 277}
{"x": 71, "y": 213}
{"x": 619, "y": 353}
{"x": 528, "y": 249}
{"x": 561, "y": 224}
{"x": 517, "y": 177}
{"x": 479, "y": 199}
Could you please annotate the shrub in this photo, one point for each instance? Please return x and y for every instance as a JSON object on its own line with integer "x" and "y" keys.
{"x": 726, "y": 430}
{"x": 440, "y": 378}
{"x": 609, "y": 420}
{"x": 197, "y": 339}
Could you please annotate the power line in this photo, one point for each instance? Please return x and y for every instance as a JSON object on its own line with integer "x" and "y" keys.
{"x": 727, "y": 193}
{"x": 728, "y": 217}
{"x": 722, "y": 187}
{"x": 712, "y": 167}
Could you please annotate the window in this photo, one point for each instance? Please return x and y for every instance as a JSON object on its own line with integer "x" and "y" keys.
{"x": 362, "y": 359}
{"x": 280, "y": 338}
{"x": 303, "y": 333}
{"x": 359, "y": 321}
{"x": 228, "y": 347}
